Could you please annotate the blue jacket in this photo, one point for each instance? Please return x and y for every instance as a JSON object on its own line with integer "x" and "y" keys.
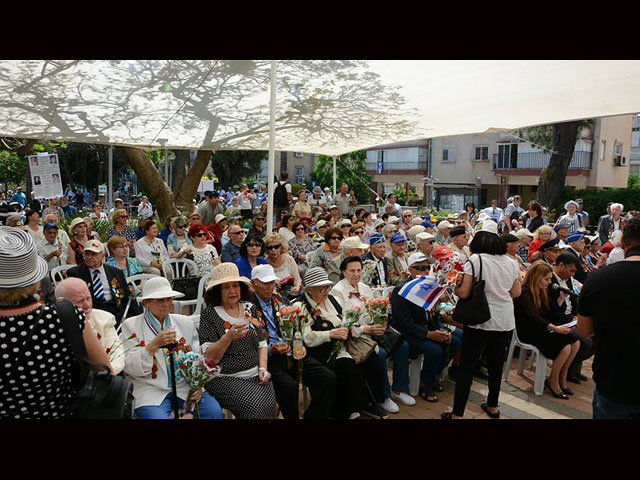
{"x": 244, "y": 267}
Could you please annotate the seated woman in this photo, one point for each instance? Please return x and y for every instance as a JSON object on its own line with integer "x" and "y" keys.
{"x": 301, "y": 244}
{"x": 286, "y": 228}
{"x": 119, "y": 256}
{"x": 201, "y": 252}
{"x": 232, "y": 337}
{"x": 558, "y": 343}
{"x": 251, "y": 254}
{"x": 178, "y": 242}
{"x": 147, "y": 366}
{"x": 320, "y": 335}
{"x": 542, "y": 235}
{"x": 150, "y": 250}
{"x": 352, "y": 293}
{"x": 284, "y": 266}
{"x": 330, "y": 249}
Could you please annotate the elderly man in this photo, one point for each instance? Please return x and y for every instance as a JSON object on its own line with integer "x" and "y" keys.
{"x": 562, "y": 230}
{"x": 494, "y": 212}
{"x": 459, "y": 240}
{"x": 425, "y": 244}
{"x": 101, "y": 322}
{"x": 63, "y": 236}
{"x": 575, "y": 241}
{"x": 69, "y": 210}
{"x": 550, "y": 251}
{"x": 423, "y": 332}
{"x": 210, "y": 209}
{"x": 397, "y": 257}
{"x": 51, "y": 249}
{"x": 344, "y": 201}
{"x": 376, "y": 255}
{"x": 610, "y": 223}
{"x": 351, "y": 247}
{"x": 318, "y": 199}
{"x": 319, "y": 379}
{"x": 444, "y": 228}
{"x": 231, "y": 249}
{"x": 525, "y": 237}
{"x": 109, "y": 290}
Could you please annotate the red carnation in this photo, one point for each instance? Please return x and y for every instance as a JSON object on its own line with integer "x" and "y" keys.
{"x": 142, "y": 344}
{"x": 133, "y": 335}
{"x": 183, "y": 366}
{"x": 108, "y": 350}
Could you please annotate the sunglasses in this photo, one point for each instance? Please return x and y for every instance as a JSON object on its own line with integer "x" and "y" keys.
{"x": 421, "y": 268}
{"x": 300, "y": 228}
{"x": 201, "y": 234}
{"x": 254, "y": 245}
{"x": 124, "y": 216}
{"x": 359, "y": 232}
{"x": 180, "y": 226}
{"x": 407, "y": 215}
{"x": 274, "y": 247}
{"x": 260, "y": 219}
{"x": 335, "y": 238}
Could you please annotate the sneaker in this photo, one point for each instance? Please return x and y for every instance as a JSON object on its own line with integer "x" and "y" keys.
{"x": 403, "y": 398}
{"x": 374, "y": 411}
{"x": 389, "y": 405}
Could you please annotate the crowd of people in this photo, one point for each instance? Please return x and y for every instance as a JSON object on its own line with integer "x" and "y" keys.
{"x": 328, "y": 258}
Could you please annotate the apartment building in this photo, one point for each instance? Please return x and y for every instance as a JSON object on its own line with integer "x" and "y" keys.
{"x": 298, "y": 165}
{"x": 634, "y": 159}
{"x": 475, "y": 168}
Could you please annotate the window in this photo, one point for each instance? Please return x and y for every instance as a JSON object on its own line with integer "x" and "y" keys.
{"x": 299, "y": 170}
{"x": 298, "y": 154}
{"x": 448, "y": 155}
{"x": 603, "y": 149}
{"x": 508, "y": 155}
{"x": 617, "y": 148}
{"x": 481, "y": 154}
{"x": 634, "y": 169}
{"x": 635, "y": 137}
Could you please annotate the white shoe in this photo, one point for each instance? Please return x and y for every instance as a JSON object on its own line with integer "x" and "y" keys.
{"x": 354, "y": 416}
{"x": 403, "y": 398}
{"x": 390, "y": 406}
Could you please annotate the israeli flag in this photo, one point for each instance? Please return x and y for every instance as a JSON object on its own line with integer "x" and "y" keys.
{"x": 422, "y": 291}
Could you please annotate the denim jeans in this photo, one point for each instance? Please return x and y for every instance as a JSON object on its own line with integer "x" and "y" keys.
{"x": 208, "y": 406}
{"x": 605, "y": 408}
{"x": 434, "y": 356}
{"x": 400, "y": 369}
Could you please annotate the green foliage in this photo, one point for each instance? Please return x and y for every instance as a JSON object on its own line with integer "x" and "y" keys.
{"x": 232, "y": 166}
{"x": 542, "y": 135}
{"x": 401, "y": 195}
{"x": 13, "y": 168}
{"x": 355, "y": 176}
{"x": 595, "y": 201}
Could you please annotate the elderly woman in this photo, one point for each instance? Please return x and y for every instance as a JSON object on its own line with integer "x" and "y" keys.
{"x": 592, "y": 250}
{"x": 320, "y": 336}
{"x": 148, "y": 366}
{"x": 251, "y": 254}
{"x": 542, "y": 235}
{"x": 286, "y": 230}
{"x": 90, "y": 231}
{"x": 572, "y": 217}
{"x": 357, "y": 230}
{"x": 352, "y": 294}
{"x": 150, "y": 250}
{"x": 201, "y": 252}
{"x": 178, "y": 242}
{"x": 617, "y": 253}
{"x": 283, "y": 264}
{"x": 38, "y": 374}
{"x": 301, "y": 244}
{"x": 119, "y": 257}
{"x": 329, "y": 250}
{"x": 97, "y": 213}
{"x": 302, "y": 207}
{"x": 231, "y": 336}
{"x": 32, "y": 226}
{"x": 320, "y": 230}
{"x": 78, "y": 230}
{"x": 120, "y": 227}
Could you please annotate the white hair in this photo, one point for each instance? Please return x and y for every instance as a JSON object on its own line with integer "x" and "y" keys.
{"x": 617, "y": 205}
{"x": 68, "y": 285}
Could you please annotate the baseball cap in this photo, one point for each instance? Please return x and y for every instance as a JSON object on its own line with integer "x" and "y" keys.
{"x": 445, "y": 224}
{"x": 263, "y": 273}
{"x": 220, "y": 217}
{"x": 93, "y": 246}
{"x": 376, "y": 238}
{"x": 523, "y": 232}
{"x": 397, "y": 238}
{"x": 393, "y": 219}
{"x": 416, "y": 258}
{"x": 344, "y": 222}
{"x": 424, "y": 236}
{"x": 427, "y": 224}
{"x": 49, "y": 226}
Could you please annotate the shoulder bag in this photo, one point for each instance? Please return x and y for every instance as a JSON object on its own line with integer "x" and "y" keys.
{"x": 474, "y": 309}
{"x": 360, "y": 348}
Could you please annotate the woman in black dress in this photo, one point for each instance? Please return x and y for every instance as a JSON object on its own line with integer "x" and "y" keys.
{"x": 532, "y": 310}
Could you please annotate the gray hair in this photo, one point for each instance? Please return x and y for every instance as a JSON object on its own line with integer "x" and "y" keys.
{"x": 617, "y": 205}
{"x": 68, "y": 285}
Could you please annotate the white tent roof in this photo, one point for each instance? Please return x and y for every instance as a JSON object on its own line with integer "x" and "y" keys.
{"x": 328, "y": 107}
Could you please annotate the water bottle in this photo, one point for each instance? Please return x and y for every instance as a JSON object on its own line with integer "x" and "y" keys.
{"x": 298, "y": 352}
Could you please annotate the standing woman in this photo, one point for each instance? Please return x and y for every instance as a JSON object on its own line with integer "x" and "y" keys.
{"x": 534, "y": 217}
{"x": 302, "y": 207}
{"x": 532, "y": 311}
{"x": 150, "y": 250}
{"x": 251, "y": 254}
{"x": 502, "y": 285}
{"x": 32, "y": 226}
{"x": 231, "y": 336}
{"x": 472, "y": 219}
{"x": 204, "y": 254}
{"x": 78, "y": 230}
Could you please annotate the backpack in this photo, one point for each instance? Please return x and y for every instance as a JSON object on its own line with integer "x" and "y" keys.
{"x": 280, "y": 198}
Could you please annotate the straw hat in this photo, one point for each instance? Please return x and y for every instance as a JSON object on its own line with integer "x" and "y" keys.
{"x": 224, "y": 273}
{"x": 158, "y": 287}
{"x": 74, "y": 223}
{"x": 353, "y": 242}
{"x": 415, "y": 230}
{"x": 20, "y": 263}
{"x": 316, "y": 277}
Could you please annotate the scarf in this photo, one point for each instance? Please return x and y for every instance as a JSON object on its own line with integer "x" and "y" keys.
{"x": 155, "y": 327}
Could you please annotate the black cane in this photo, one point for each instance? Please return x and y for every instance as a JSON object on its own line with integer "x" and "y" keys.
{"x": 174, "y": 396}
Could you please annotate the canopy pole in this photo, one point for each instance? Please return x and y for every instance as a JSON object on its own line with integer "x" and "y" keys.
{"x": 272, "y": 153}
{"x": 166, "y": 165}
{"x": 334, "y": 176}
{"x": 110, "y": 179}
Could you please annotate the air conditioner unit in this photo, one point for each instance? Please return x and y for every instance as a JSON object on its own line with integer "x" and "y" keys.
{"x": 298, "y": 154}
{"x": 619, "y": 160}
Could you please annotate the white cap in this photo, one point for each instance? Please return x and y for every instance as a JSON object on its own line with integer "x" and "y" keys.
{"x": 523, "y": 232}
{"x": 393, "y": 219}
{"x": 343, "y": 222}
{"x": 488, "y": 226}
{"x": 445, "y": 224}
{"x": 416, "y": 258}
{"x": 415, "y": 230}
{"x": 220, "y": 217}
{"x": 263, "y": 273}
{"x": 354, "y": 242}
{"x": 424, "y": 236}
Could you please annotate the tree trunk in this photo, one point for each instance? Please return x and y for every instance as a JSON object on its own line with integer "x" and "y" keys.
{"x": 184, "y": 200}
{"x": 553, "y": 177}
{"x": 180, "y": 167}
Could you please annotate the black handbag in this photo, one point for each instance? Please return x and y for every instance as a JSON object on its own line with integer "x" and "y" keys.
{"x": 474, "y": 309}
{"x": 101, "y": 395}
{"x": 188, "y": 286}
{"x": 391, "y": 340}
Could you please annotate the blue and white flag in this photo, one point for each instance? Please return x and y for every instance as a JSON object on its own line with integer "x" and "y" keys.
{"x": 422, "y": 291}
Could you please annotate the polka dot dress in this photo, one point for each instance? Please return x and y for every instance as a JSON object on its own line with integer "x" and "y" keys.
{"x": 243, "y": 396}
{"x": 37, "y": 364}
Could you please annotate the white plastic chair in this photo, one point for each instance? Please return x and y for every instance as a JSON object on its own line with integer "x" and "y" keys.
{"x": 415, "y": 367}
{"x": 137, "y": 282}
{"x": 56, "y": 273}
{"x": 202, "y": 287}
{"x": 541, "y": 366}
{"x": 180, "y": 267}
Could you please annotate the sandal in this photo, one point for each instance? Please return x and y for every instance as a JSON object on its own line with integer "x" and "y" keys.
{"x": 429, "y": 395}
{"x": 485, "y": 407}
{"x": 437, "y": 386}
{"x": 446, "y": 416}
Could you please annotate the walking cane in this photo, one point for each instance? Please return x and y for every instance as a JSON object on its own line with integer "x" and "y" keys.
{"x": 172, "y": 370}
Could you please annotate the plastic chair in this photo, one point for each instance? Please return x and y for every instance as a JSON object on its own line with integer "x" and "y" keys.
{"x": 415, "y": 367}
{"x": 56, "y": 273}
{"x": 541, "y": 366}
{"x": 180, "y": 267}
{"x": 202, "y": 287}
{"x": 137, "y": 282}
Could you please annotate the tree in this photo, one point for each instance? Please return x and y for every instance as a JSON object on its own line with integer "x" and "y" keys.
{"x": 13, "y": 168}
{"x": 350, "y": 169}
{"x": 231, "y": 166}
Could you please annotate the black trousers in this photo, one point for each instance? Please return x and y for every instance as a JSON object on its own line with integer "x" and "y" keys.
{"x": 587, "y": 349}
{"x": 473, "y": 341}
{"x": 352, "y": 394}
{"x": 318, "y": 378}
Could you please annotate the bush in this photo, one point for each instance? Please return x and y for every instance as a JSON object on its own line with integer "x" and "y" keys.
{"x": 595, "y": 201}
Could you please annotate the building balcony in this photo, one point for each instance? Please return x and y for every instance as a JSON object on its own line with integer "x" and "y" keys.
{"x": 396, "y": 168}
{"x": 533, "y": 163}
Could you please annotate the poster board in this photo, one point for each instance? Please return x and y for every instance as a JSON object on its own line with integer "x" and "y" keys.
{"x": 45, "y": 175}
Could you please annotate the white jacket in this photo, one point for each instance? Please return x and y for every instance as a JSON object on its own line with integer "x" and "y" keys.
{"x": 138, "y": 363}
{"x": 104, "y": 325}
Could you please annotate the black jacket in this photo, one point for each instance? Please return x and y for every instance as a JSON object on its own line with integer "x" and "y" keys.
{"x": 557, "y": 314}
{"x": 409, "y": 319}
{"x": 376, "y": 279}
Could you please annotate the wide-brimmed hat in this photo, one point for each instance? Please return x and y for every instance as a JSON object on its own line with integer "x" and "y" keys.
{"x": 20, "y": 264}
{"x": 316, "y": 277}
{"x": 226, "y": 272}
{"x": 220, "y": 217}
{"x": 566, "y": 205}
{"x": 487, "y": 226}
{"x": 74, "y": 223}
{"x": 317, "y": 190}
{"x": 353, "y": 242}
{"x": 378, "y": 223}
{"x": 321, "y": 223}
{"x": 158, "y": 287}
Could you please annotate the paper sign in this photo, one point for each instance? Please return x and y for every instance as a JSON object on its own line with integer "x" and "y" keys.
{"x": 45, "y": 175}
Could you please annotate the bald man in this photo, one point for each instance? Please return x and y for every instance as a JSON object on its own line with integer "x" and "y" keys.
{"x": 102, "y": 323}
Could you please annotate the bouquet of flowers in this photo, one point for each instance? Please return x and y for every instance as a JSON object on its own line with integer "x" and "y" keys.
{"x": 369, "y": 273}
{"x": 291, "y": 320}
{"x": 197, "y": 370}
{"x": 378, "y": 309}
{"x": 351, "y": 317}
{"x": 395, "y": 277}
{"x": 448, "y": 267}
{"x": 115, "y": 350}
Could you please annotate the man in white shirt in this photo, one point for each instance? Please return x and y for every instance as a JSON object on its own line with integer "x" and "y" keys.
{"x": 50, "y": 248}
{"x": 494, "y": 212}
{"x": 513, "y": 207}
{"x": 145, "y": 209}
{"x": 391, "y": 200}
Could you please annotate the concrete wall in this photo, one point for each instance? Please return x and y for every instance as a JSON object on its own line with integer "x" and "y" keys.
{"x": 604, "y": 172}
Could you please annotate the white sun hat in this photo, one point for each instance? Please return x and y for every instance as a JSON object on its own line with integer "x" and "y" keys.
{"x": 158, "y": 287}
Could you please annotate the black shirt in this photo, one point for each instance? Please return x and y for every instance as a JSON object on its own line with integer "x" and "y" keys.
{"x": 610, "y": 297}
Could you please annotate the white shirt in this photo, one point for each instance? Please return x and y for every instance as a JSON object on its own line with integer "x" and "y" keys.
{"x": 495, "y": 214}
{"x": 144, "y": 251}
{"x": 45, "y": 248}
{"x": 145, "y": 210}
{"x": 342, "y": 290}
{"x": 563, "y": 284}
{"x": 106, "y": 288}
{"x": 499, "y": 273}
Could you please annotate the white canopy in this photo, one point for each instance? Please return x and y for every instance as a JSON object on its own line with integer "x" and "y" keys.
{"x": 328, "y": 107}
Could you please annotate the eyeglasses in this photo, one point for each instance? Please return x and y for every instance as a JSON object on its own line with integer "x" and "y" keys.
{"x": 335, "y": 238}
{"x": 420, "y": 268}
{"x": 259, "y": 218}
{"x": 254, "y": 245}
{"x": 201, "y": 234}
{"x": 124, "y": 216}
{"x": 407, "y": 215}
{"x": 359, "y": 232}
{"x": 274, "y": 247}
